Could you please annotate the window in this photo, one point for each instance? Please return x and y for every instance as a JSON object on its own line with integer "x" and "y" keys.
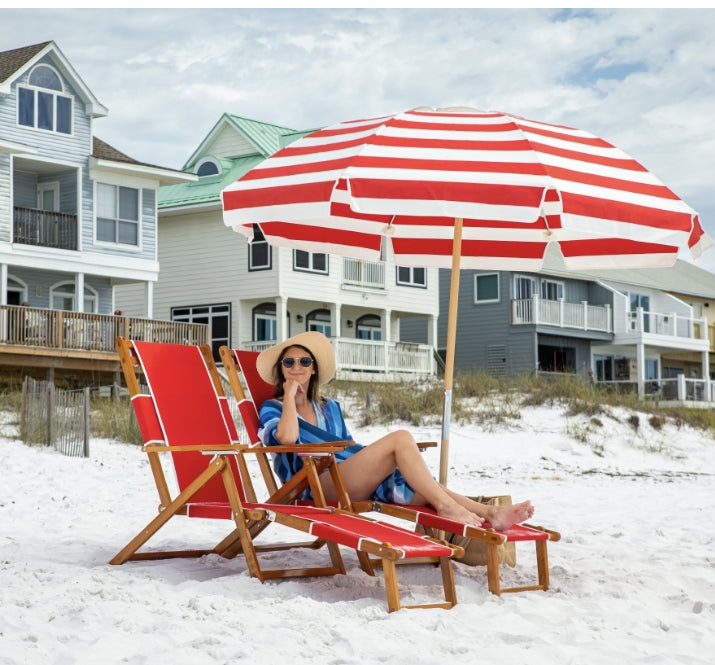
{"x": 259, "y": 251}
{"x": 117, "y": 214}
{"x": 486, "y": 288}
{"x": 62, "y": 296}
{"x": 41, "y": 105}
{"x": 207, "y": 167}
{"x": 309, "y": 262}
{"x": 368, "y": 327}
{"x": 218, "y": 317}
{"x": 524, "y": 287}
{"x": 319, "y": 319}
{"x": 408, "y": 276}
{"x": 552, "y": 290}
{"x": 264, "y": 322}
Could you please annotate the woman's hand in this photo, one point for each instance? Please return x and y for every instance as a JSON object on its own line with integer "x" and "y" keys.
{"x": 291, "y": 388}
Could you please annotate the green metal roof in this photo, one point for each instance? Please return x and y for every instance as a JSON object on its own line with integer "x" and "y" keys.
{"x": 267, "y": 138}
{"x": 206, "y": 189}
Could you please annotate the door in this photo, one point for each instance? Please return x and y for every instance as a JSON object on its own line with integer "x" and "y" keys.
{"x": 48, "y": 201}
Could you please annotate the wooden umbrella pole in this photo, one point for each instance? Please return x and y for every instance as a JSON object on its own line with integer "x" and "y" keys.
{"x": 451, "y": 344}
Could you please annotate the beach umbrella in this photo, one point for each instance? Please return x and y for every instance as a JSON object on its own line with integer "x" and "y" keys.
{"x": 460, "y": 188}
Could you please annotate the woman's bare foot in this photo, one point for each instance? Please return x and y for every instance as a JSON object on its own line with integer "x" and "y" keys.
{"x": 459, "y": 513}
{"x": 502, "y": 517}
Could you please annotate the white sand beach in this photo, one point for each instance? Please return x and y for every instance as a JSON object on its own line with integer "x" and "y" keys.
{"x": 632, "y": 579}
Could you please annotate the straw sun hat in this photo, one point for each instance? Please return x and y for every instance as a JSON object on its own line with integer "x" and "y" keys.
{"x": 318, "y": 345}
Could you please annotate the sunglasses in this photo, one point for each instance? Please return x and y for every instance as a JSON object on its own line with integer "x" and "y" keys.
{"x": 305, "y": 361}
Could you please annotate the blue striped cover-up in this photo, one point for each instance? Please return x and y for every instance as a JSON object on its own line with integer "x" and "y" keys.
{"x": 331, "y": 427}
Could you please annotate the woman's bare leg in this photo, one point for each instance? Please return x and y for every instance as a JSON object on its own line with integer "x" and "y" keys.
{"x": 365, "y": 470}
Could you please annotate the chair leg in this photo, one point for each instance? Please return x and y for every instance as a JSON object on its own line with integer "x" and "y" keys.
{"x": 450, "y": 591}
{"x": 130, "y": 549}
{"x": 492, "y": 556}
{"x": 389, "y": 571}
{"x": 542, "y": 563}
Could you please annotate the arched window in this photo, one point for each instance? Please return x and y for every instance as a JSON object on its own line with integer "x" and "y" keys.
{"x": 368, "y": 327}
{"x": 62, "y": 297}
{"x": 264, "y": 322}
{"x": 319, "y": 319}
{"x": 208, "y": 166}
{"x": 42, "y": 105}
{"x": 45, "y": 77}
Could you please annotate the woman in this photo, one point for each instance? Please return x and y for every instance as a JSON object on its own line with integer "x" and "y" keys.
{"x": 391, "y": 469}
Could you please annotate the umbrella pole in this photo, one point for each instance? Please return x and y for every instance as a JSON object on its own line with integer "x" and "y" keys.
{"x": 449, "y": 355}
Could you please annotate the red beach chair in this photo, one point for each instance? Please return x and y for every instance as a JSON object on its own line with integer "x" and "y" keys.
{"x": 184, "y": 418}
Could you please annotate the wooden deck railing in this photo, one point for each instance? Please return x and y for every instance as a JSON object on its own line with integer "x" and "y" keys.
{"x": 57, "y": 329}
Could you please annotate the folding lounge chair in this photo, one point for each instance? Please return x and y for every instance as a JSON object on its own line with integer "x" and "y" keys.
{"x": 183, "y": 415}
{"x": 238, "y": 363}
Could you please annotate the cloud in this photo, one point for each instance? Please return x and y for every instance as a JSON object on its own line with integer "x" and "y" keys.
{"x": 641, "y": 79}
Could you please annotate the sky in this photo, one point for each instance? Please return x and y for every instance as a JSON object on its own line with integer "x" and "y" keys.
{"x": 643, "y": 79}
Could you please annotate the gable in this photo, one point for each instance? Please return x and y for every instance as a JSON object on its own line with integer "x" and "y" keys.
{"x": 16, "y": 63}
{"x": 234, "y": 136}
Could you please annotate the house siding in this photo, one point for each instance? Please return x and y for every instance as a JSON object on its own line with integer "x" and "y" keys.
{"x": 485, "y": 331}
{"x": 5, "y": 199}
{"x": 192, "y": 270}
{"x": 229, "y": 143}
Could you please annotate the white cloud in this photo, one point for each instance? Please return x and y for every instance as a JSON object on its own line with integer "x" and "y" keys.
{"x": 641, "y": 79}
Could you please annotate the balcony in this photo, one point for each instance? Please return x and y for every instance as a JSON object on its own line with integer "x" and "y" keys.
{"x": 578, "y": 316}
{"x": 45, "y": 228}
{"x": 360, "y": 359}
{"x": 363, "y": 274}
{"x": 37, "y": 331}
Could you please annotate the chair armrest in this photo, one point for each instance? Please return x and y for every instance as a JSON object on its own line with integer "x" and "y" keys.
{"x": 329, "y": 447}
{"x": 423, "y": 445}
{"x": 208, "y": 449}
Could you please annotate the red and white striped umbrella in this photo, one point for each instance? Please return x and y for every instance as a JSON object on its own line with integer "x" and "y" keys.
{"x": 517, "y": 184}
{"x": 460, "y": 188}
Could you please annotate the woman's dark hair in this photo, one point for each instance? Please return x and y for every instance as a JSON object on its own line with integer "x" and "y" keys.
{"x": 314, "y": 385}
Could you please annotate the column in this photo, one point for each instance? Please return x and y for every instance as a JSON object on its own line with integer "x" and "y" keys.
{"x": 640, "y": 368}
{"x": 149, "y": 299}
{"x": 281, "y": 314}
{"x": 79, "y": 292}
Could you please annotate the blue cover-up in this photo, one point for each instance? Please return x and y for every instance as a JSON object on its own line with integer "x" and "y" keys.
{"x": 331, "y": 427}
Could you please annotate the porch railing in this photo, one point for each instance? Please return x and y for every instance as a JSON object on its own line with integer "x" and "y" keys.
{"x": 674, "y": 389}
{"x": 581, "y": 316}
{"x": 45, "y": 228}
{"x": 358, "y": 358}
{"x": 57, "y": 329}
{"x": 670, "y": 325}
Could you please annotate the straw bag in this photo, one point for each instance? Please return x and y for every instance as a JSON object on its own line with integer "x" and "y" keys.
{"x": 475, "y": 552}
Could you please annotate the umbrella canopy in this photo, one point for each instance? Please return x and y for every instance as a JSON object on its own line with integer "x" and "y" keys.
{"x": 460, "y": 188}
{"x": 517, "y": 184}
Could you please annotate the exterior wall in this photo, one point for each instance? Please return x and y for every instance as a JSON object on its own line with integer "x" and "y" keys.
{"x": 204, "y": 262}
{"x": 200, "y": 263}
{"x": 5, "y": 196}
{"x": 486, "y": 338}
{"x": 229, "y": 143}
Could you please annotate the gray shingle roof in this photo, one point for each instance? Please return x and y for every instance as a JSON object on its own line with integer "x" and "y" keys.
{"x": 14, "y": 59}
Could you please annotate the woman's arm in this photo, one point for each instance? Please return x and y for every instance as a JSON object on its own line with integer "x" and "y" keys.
{"x": 287, "y": 428}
